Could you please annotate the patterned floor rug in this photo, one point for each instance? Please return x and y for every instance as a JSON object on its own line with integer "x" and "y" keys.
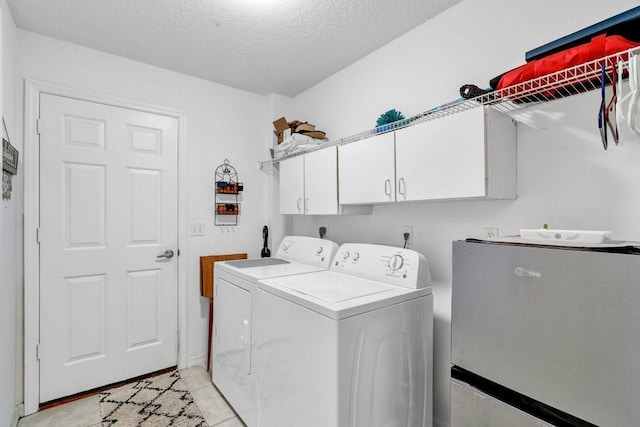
{"x": 158, "y": 401}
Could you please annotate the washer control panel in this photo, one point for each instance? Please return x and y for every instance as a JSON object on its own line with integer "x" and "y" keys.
{"x": 308, "y": 250}
{"x": 397, "y": 266}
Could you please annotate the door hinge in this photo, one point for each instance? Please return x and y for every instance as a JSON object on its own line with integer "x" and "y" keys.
{"x": 38, "y": 122}
{"x": 38, "y": 235}
{"x": 38, "y": 351}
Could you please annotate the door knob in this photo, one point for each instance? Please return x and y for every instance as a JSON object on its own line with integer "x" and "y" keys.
{"x": 168, "y": 254}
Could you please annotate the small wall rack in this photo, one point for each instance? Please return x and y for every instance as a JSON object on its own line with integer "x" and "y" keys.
{"x": 227, "y": 195}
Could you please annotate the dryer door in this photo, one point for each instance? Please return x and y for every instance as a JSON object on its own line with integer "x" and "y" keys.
{"x": 232, "y": 348}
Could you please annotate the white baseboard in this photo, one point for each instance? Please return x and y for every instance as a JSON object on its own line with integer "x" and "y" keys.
{"x": 196, "y": 360}
{"x": 18, "y": 412}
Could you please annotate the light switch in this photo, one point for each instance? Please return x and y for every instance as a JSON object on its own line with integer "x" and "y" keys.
{"x": 196, "y": 229}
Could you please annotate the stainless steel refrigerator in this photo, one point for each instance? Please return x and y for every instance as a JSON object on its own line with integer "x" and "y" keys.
{"x": 545, "y": 336}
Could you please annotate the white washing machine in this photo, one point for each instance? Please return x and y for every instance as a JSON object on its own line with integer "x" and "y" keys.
{"x": 348, "y": 347}
{"x": 233, "y": 366}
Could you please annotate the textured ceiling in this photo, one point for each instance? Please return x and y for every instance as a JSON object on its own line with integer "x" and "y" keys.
{"x": 262, "y": 46}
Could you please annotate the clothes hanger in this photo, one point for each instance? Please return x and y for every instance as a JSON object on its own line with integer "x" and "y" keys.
{"x": 634, "y": 92}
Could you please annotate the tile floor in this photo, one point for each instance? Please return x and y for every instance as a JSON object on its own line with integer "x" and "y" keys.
{"x": 86, "y": 412}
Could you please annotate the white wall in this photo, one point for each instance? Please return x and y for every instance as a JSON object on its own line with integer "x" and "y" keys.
{"x": 565, "y": 178}
{"x": 10, "y": 373}
{"x": 281, "y": 225}
{"x": 222, "y": 123}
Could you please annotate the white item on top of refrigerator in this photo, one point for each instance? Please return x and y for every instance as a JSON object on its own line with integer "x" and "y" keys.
{"x": 584, "y": 236}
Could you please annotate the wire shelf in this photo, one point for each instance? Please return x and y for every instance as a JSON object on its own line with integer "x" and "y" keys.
{"x": 550, "y": 87}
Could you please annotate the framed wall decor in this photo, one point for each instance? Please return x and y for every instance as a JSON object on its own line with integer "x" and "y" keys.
{"x": 9, "y": 164}
{"x": 9, "y": 157}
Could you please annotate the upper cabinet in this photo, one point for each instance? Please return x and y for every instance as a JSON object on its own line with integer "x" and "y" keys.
{"x": 461, "y": 156}
{"x": 367, "y": 171}
{"x": 309, "y": 185}
{"x": 292, "y": 185}
{"x": 467, "y": 155}
{"x": 321, "y": 182}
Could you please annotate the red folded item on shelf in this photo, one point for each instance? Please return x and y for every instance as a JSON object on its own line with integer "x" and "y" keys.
{"x": 599, "y": 46}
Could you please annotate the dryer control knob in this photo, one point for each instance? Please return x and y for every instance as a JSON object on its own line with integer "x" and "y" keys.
{"x": 356, "y": 256}
{"x": 320, "y": 249}
{"x": 345, "y": 255}
{"x": 286, "y": 244}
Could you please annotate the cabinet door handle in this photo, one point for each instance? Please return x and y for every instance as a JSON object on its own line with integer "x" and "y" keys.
{"x": 298, "y": 204}
{"x": 306, "y": 205}
{"x": 387, "y": 187}
{"x": 402, "y": 186}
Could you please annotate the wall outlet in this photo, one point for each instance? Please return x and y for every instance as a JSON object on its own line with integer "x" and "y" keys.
{"x": 326, "y": 230}
{"x": 490, "y": 232}
{"x": 196, "y": 229}
{"x": 407, "y": 229}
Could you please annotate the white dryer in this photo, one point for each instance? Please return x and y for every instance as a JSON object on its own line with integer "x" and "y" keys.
{"x": 233, "y": 366}
{"x": 348, "y": 347}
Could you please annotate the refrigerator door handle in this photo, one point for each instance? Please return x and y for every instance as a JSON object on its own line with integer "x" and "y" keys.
{"x": 523, "y": 272}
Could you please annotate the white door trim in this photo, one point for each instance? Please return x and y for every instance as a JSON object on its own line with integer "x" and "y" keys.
{"x": 33, "y": 89}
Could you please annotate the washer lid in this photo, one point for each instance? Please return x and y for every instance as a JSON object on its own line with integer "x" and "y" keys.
{"x": 254, "y": 271}
{"x": 337, "y": 290}
{"x": 336, "y": 295}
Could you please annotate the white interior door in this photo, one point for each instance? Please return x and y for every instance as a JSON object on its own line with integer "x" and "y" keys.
{"x": 108, "y": 209}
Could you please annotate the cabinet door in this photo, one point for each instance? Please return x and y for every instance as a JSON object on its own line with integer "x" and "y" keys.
{"x": 292, "y": 185}
{"x": 321, "y": 182}
{"x": 443, "y": 158}
{"x": 366, "y": 170}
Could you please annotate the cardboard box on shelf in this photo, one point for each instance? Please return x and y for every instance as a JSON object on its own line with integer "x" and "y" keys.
{"x": 305, "y": 127}
{"x": 280, "y": 125}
